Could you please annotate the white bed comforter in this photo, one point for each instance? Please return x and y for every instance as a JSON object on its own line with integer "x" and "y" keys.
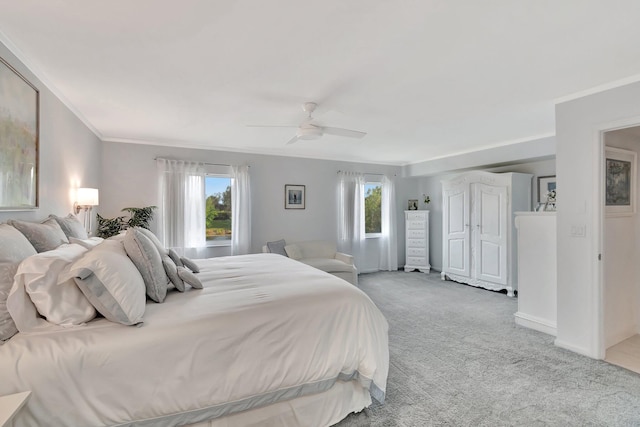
{"x": 264, "y": 329}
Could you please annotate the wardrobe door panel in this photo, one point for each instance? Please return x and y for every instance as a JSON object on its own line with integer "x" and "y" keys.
{"x": 456, "y": 231}
{"x": 490, "y": 242}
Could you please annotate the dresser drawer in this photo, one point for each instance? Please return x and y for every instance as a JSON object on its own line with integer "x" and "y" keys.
{"x": 416, "y": 252}
{"x": 416, "y": 243}
{"x": 415, "y": 215}
{"x": 416, "y": 224}
{"x": 413, "y": 260}
{"x": 415, "y": 234}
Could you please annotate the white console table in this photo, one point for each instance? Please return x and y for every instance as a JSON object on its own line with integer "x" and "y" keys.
{"x": 537, "y": 261}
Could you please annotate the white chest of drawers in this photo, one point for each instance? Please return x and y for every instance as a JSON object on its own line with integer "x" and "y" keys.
{"x": 417, "y": 241}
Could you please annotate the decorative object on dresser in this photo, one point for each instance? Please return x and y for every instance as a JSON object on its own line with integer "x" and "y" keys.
{"x": 412, "y": 205}
{"x": 546, "y": 184}
{"x": 294, "y": 196}
{"x": 479, "y": 240}
{"x": 417, "y": 241}
{"x": 19, "y": 134}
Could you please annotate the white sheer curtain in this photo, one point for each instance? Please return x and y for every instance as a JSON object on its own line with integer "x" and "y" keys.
{"x": 351, "y": 233}
{"x": 240, "y": 210}
{"x": 182, "y": 208}
{"x": 388, "y": 241}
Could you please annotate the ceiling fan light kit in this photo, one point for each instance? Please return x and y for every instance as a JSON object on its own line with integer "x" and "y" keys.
{"x": 308, "y": 131}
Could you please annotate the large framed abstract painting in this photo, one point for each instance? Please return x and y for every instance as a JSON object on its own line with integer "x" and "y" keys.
{"x": 620, "y": 182}
{"x": 19, "y": 139}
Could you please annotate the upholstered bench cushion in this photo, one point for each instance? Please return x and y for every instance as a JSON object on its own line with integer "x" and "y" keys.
{"x": 327, "y": 264}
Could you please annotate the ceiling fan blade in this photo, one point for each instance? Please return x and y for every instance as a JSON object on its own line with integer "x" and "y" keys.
{"x": 270, "y": 126}
{"x": 292, "y": 140}
{"x": 343, "y": 132}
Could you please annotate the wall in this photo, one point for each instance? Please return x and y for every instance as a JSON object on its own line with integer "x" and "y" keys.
{"x": 432, "y": 186}
{"x": 514, "y": 153}
{"x": 129, "y": 179}
{"x": 69, "y": 152}
{"x": 621, "y": 274}
{"x": 579, "y": 124}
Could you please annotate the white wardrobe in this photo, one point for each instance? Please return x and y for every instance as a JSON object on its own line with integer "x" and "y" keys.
{"x": 479, "y": 239}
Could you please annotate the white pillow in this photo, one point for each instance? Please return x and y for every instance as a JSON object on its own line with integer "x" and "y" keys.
{"x": 36, "y": 289}
{"x": 59, "y": 303}
{"x": 87, "y": 243}
{"x": 293, "y": 251}
{"x": 14, "y": 248}
{"x": 108, "y": 278}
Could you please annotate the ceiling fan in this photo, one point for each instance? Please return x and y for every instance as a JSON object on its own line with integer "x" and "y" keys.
{"x": 308, "y": 130}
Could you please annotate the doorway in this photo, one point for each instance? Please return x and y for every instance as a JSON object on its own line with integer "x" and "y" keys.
{"x": 621, "y": 248}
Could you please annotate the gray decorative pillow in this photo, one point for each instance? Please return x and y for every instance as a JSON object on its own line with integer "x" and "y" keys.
{"x": 44, "y": 236}
{"x": 189, "y": 278}
{"x": 172, "y": 271}
{"x": 71, "y": 227}
{"x": 186, "y": 262}
{"x": 111, "y": 282}
{"x": 154, "y": 239}
{"x": 277, "y": 247}
{"x": 13, "y": 250}
{"x": 147, "y": 259}
{"x": 175, "y": 257}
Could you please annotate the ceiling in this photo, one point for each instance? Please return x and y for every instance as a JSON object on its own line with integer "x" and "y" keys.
{"x": 424, "y": 78}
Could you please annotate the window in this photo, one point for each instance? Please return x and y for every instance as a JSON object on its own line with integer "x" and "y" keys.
{"x": 218, "y": 209}
{"x": 372, "y": 208}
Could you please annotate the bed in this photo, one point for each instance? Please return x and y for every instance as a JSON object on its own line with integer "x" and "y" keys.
{"x": 266, "y": 341}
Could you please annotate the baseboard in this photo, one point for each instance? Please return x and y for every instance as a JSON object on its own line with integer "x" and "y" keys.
{"x": 536, "y": 323}
{"x": 575, "y": 349}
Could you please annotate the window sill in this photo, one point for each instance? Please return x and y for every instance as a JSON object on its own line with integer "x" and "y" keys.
{"x": 219, "y": 243}
{"x": 373, "y": 236}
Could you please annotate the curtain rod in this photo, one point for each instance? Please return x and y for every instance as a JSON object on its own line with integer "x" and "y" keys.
{"x": 204, "y": 163}
{"x": 369, "y": 173}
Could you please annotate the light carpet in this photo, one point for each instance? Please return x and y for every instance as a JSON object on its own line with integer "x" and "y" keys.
{"x": 457, "y": 358}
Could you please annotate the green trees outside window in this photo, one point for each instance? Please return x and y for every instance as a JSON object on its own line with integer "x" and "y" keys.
{"x": 218, "y": 207}
{"x": 373, "y": 207}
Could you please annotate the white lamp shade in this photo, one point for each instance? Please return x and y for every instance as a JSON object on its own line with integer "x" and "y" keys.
{"x": 87, "y": 197}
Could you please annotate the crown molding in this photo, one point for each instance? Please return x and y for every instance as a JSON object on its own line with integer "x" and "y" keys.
{"x": 597, "y": 89}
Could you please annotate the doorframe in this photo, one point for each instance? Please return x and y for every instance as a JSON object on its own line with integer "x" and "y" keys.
{"x": 599, "y": 219}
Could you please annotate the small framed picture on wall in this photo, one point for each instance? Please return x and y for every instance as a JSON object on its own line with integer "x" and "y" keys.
{"x": 294, "y": 196}
{"x": 412, "y": 205}
{"x": 546, "y": 188}
{"x": 620, "y": 182}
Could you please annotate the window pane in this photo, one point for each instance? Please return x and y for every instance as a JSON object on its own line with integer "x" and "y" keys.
{"x": 373, "y": 207}
{"x": 218, "y": 207}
